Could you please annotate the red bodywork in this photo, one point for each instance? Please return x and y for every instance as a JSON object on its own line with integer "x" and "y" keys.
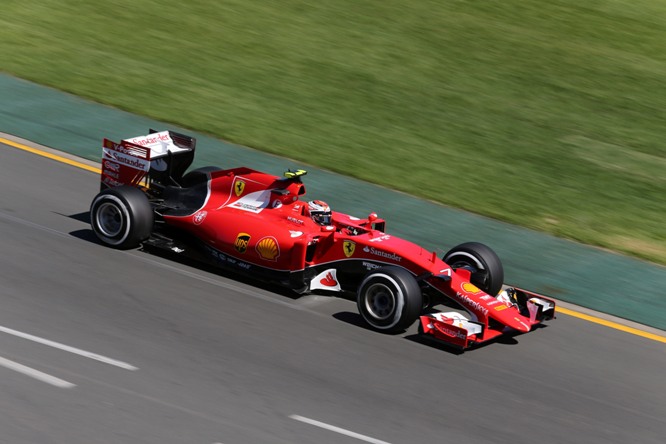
{"x": 249, "y": 216}
{"x": 257, "y": 222}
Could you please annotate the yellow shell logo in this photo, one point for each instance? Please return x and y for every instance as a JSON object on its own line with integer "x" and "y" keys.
{"x": 239, "y": 187}
{"x": 268, "y": 249}
{"x": 470, "y": 288}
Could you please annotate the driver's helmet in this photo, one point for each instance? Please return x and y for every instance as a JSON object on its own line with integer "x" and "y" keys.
{"x": 320, "y": 212}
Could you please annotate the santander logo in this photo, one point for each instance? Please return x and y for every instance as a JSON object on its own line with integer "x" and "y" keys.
{"x": 328, "y": 280}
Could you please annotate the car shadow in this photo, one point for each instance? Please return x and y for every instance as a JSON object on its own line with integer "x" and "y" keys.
{"x": 204, "y": 266}
{"x": 81, "y": 217}
{"x": 437, "y": 345}
{"x": 509, "y": 338}
{"x": 354, "y": 319}
{"x": 86, "y": 234}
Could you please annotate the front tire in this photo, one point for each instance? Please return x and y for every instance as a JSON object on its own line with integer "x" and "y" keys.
{"x": 389, "y": 299}
{"x": 121, "y": 217}
{"x": 481, "y": 260}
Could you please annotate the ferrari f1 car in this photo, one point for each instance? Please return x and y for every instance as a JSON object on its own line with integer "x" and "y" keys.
{"x": 260, "y": 225}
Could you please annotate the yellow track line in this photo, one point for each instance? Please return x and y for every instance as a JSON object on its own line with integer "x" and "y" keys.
{"x": 562, "y": 310}
{"x": 50, "y": 156}
{"x": 615, "y": 325}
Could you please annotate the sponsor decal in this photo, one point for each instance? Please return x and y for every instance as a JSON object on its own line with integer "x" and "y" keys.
{"x": 252, "y": 202}
{"x": 295, "y": 233}
{"x": 293, "y": 220}
{"x": 467, "y": 301}
{"x": 445, "y": 272}
{"x": 384, "y": 254}
{"x": 112, "y": 174}
{"x": 111, "y": 182}
{"x": 470, "y": 288}
{"x": 217, "y": 255}
{"x": 486, "y": 297}
{"x": 123, "y": 163}
{"x": 370, "y": 266}
{"x": 268, "y": 248}
{"x": 381, "y": 238}
{"x": 247, "y": 207}
{"x": 451, "y": 332}
{"x": 223, "y": 259}
{"x": 199, "y": 217}
{"x": 177, "y": 250}
{"x": 239, "y": 187}
{"x": 111, "y": 166}
{"x": 241, "y": 242}
{"x": 127, "y": 149}
{"x": 297, "y": 207}
{"x": 501, "y": 307}
{"x": 151, "y": 139}
{"x": 326, "y": 280}
{"x": 348, "y": 247}
{"x": 127, "y": 160}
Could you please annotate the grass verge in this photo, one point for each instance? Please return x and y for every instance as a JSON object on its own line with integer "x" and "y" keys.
{"x": 548, "y": 115}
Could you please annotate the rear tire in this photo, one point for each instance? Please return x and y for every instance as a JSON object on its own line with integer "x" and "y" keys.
{"x": 389, "y": 299}
{"x": 481, "y": 260}
{"x": 121, "y": 217}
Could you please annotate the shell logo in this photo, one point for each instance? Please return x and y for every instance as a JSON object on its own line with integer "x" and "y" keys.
{"x": 268, "y": 248}
{"x": 470, "y": 288}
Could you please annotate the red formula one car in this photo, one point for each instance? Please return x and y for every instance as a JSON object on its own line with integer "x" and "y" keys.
{"x": 258, "y": 224}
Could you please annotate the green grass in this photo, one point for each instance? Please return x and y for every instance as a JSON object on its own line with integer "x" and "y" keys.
{"x": 547, "y": 114}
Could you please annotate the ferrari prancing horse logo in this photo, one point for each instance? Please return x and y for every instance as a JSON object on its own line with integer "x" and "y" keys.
{"x": 348, "y": 247}
{"x": 239, "y": 187}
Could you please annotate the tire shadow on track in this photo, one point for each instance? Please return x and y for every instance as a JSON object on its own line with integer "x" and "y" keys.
{"x": 509, "y": 338}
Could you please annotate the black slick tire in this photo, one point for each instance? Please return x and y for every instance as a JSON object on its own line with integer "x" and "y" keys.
{"x": 121, "y": 217}
{"x": 389, "y": 299}
{"x": 481, "y": 260}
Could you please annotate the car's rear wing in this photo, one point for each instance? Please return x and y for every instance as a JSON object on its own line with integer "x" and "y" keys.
{"x": 159, "y": 158}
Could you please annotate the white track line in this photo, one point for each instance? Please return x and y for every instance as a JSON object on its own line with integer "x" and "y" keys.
{"x": 332, "y": 428}
{"x": 69, "y": 349}
{"x": 41, "y": 376}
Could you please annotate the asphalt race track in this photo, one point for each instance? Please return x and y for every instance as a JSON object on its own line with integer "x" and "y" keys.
{"x": 105, "y": 346}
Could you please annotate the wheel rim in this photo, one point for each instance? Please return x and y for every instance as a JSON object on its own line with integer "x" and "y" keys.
{"x": 380, "y": 301}
{"x": 109, "y": 220}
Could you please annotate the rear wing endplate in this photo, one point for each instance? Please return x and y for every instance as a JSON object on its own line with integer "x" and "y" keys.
{"x": 163, "y": 156}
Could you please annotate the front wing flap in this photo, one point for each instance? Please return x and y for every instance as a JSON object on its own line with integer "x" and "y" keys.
{"x": 456, "y": 329}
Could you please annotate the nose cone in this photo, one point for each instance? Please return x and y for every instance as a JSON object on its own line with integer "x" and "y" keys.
{"x": 519, "y": 323}
{"x": 513, "y": 319}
